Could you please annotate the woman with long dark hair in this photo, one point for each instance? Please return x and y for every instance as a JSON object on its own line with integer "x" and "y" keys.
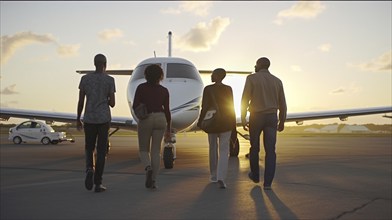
{"x": 158, "y": 123}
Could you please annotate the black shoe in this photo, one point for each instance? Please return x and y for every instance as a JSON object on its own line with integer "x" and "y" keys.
{"x": 89, "y": 181}
{"x": 250, "y": 175}
{"x": 267, "y": 188}
{"x": 222, "y": 184}
{"x": 149, "y": 182}
{"x": 100, "y": 188}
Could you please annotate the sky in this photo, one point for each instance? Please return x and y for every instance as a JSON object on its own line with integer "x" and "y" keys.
{"x": 329, "y": 55}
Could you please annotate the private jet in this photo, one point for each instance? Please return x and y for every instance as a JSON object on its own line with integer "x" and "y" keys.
{"x": 185, "y": 86}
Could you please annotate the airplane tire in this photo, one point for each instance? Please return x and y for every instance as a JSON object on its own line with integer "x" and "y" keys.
{"x": 17, "y": 140}
{"x": 234, "y": 148}
{"x": 168, "y": 157}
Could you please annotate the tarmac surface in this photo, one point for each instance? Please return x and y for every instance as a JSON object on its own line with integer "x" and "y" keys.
{"x": 317, "y": 177}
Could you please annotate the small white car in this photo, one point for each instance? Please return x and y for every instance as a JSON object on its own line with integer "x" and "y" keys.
{"x": 36, "y": 131}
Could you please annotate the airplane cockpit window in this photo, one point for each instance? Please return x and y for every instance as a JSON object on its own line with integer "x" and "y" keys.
{"x": 179, "y": 70}
{"x": 138, "y": 72}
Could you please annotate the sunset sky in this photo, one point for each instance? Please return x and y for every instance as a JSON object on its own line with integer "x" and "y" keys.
{"x": 330, "y": 54}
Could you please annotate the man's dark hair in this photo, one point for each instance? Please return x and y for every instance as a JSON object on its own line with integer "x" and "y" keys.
{"x": 99, "y": 59}
{"x": 263, "y": 63}
{"x": 153, "y": 73}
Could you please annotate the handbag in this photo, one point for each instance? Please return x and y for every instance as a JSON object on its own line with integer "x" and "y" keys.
{"x": 141, "y": 111}
{"x": 210, "y": 123}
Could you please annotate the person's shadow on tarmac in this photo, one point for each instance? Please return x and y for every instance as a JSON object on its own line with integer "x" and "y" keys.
{"x": 263, "y": 210}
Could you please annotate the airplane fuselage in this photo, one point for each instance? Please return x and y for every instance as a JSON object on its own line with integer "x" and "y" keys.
{"x": 185, "y": 86}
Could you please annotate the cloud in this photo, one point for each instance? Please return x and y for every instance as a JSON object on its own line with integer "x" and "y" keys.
{"x": 351, "y": 89}
{"x": 325, "y": 47}
{"x": 203, "y": 36}
{"x": 109, "y": 34}
{"x": 383, "y": 63}
{"x": 339, "y": 90}
{"x": 68, "y": 50}
{"x": 11, "y": 43}
{"x": 10, "y": 90}
{"x": 301, "y": 9}
{"x": 198, "y": 8}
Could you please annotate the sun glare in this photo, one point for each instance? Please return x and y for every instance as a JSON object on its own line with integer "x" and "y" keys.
{"x": 237, "y": 84}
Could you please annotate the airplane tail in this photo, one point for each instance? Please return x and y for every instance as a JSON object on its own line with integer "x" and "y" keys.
{"x": 170, "y": 44}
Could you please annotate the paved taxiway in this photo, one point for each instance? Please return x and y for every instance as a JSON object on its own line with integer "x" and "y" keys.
{"x": 316, "y": 178}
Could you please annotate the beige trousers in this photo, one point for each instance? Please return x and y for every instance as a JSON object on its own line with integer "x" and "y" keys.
{"x": 150, "y": 134}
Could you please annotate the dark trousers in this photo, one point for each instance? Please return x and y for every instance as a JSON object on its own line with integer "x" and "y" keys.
{"x": 266, "y": 123}
{"x": 96, "y": 136}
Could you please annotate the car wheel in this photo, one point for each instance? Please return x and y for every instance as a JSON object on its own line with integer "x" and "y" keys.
{"x": 17, "y": 140}
{"x": 45, "y": 141}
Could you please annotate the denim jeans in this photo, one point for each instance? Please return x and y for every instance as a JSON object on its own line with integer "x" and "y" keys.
{"x": 266, "y": 123}
{"x": 96, "y": 136}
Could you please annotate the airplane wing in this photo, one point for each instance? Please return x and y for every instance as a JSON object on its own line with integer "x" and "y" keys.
{"x": 6, "y": 113}
{"x": 341, "y": 114}
{"x": 110, "y": 72}
{"x": 130, "y": 123}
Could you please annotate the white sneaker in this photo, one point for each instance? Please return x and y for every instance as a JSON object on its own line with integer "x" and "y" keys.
{"x": 213, "y": 179}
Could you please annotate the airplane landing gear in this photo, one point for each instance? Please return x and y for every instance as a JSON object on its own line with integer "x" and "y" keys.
{"x": 246, "y": 137}
{"x": 168, "y": 155}
{"x": 234, "y": 144}
{"x": 169, "y": 152}
{"x": 109, "y": 145}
